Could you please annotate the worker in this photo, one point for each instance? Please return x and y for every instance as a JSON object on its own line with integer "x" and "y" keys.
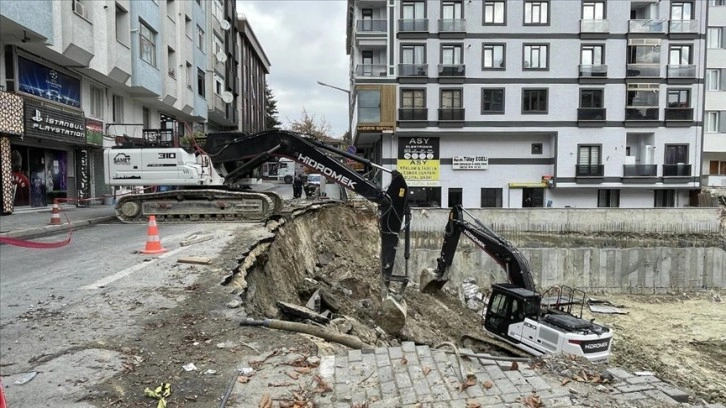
{"x": 297, "y": 186}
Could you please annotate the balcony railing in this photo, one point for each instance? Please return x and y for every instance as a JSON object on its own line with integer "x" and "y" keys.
{"x": 452, "y": 70}
{"x": 676, "y": 170}
{"x": 589, "y": 71}
{"x": 451, "y": 113}
{"x": 591, "y": 114}
{"x": 413, "y": 25}
{"x": 632, "y": 113}
{"x": 594, "y": 26}
{"x": 681, "y": 71}
{"x": 679, "y": 114}
{"x": 648, "y": 26}
{"x": 413, "y": 70}
{"x": 640, "y": 170}
{"x": 589, "y": 170}
{"x": 413, "y": 114}
{"x": 643, "y": 70}
{"x": 455, "y": 25}
{"x": 370, "y": 26}
{"x": 683, "y": 26}
{"x": 370, "y": 70}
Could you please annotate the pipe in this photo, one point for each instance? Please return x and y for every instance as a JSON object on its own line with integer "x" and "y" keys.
{"x": 344, "y": 339}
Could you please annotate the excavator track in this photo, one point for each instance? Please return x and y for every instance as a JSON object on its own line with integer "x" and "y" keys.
{"x": 487, "y": 343}
{"x": 196, "y": 206}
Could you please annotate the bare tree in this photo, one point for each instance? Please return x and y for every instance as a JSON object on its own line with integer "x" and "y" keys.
{"x": 310, "y": 125}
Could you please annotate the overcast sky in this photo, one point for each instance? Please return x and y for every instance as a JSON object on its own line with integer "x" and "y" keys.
{"x": 305, "y": 43}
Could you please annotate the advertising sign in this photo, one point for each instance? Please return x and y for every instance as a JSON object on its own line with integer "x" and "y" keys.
{"x": 94, "y": 132}
{"x": 51, "y": 123}
{"x": 418, "y": 161}
{"x": 470, "y": 163}
{"x": 45, "y": 82}
{"x": 83, "y": 180}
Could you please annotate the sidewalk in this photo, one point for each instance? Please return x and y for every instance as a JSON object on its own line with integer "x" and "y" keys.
{"x": 28, "y": 222}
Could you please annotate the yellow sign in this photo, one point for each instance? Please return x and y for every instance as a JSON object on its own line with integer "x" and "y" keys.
{"x": 527, "y": 185}
{"x": 418, "y": 170}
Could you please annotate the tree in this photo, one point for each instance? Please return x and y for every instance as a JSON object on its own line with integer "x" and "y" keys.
{"x": 309, "y": 125}
{"x": 271, "y": 120}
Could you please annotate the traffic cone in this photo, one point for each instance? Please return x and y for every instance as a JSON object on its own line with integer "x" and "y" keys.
{"x": 153, "y": 243}
{"x": 55, "y": 214}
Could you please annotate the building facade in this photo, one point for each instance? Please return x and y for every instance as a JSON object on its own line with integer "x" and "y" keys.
{"x": 532, "y": 103}
{"x": 254, "y": 70}
{"x": 92, "y": 73}
{"x": 714, "y": 140}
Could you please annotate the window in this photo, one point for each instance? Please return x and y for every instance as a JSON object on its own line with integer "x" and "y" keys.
{"x": 714, "y": 37}
{"x": 679, "y": 55}
{"x": 536, "y": 12}
{"x": 413, "y": 98}
{"x": 675, "y": 154}
{"x": 712, "y": 122}
{"x": 413, "y": 60}
{"x": 536, "y": 148}
{"x": 592, "y": 54}
{"x": 218, "y": 44}
{"x": 534, "y": 101}
{"x": 716, "y": 167}
{"x": 188, "y": 27}
{"x": 451, "y": 16}
{"x": 494, "y": 12}
{"x": 123, "y": 33}
{"x": 681, "y": 11}
{"x": 96, "y": 102}
{"x": 171, "y": 10}
{"x": 713, "y": 80}
{"x": 147, "y": 42}
{"x": 451, "y": 99}
{"x": 491, "y": 197}
{"x": 493, "y": 56}
{"x": 369, "y": 106}
{"x": 200, "y": 38}
{"x": 451, "y": 55}
{"x": 190, "y": 75}
{"x": 608, "y": 198}
{"x": 646, "y": 98}
{"x": 171, "y": 60}
{"x": 146, "y": 117}
{"x": 679, "y": 98}
{"x": 201, "y": 81}
{"x": 118, "y": 109}
{"x": 455, "y": 196}
{"x": 492, "y": 100}
{"x": 717, "y": 2}
{"x": 664, "y": 198}
{"x": 413, "y": 16}
{"x": 643, "y": 54}
{"x": 367, "y": 19}
{"x": 218, "y": 84}
{"x": 588, "y": 161}
{"x": 593, "y": 10}
{"x": 79, "y": 7}
{"x": 535, "y": 56}
{"x": 591, "y": 98}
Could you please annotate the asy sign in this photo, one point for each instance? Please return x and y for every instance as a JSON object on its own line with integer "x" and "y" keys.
{"x": 418, "y": 160}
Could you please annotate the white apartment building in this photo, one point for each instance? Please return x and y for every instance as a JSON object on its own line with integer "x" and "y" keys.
{"x": 714, "y": 138}
{"x": 532, "y": 103}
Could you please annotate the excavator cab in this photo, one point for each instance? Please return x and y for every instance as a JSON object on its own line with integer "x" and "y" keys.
{"x": 509, "y": 304}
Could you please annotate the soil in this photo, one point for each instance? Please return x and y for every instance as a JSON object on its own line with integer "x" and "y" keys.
{"x": 334, "y": 249}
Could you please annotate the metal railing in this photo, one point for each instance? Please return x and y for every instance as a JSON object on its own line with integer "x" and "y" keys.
{"x": 643, "y": 70}
{"x": 370, "y": 70}
{"x": 452, "y": 70}
{"x": 640, "y": 170}
{"x": 647, "y": 26}
{"x": 451, "y": 113}
{"x": 413, "y": 70}
{"x": 591, "y": 114}
{"x": 676, "y": 170}
{"x": 413, "y": 25}
{"x": 588, "y": 71}
{"x": 413, "y": 114}
{"x": 454, "y": 25}
{"x": 679, "y": 114}
{"x": 594, "y": 26}
{"x": 632, "y": 113}
{"x": 681, "y": 71}
{"x": 370, "y": 26}
{"x": 589, "y": 170}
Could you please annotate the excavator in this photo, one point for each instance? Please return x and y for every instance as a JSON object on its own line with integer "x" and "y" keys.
{"x": 209, "y": 185}
{"x": 516, "y": 313}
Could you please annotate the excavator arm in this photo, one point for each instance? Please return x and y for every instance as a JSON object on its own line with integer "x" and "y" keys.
{"x": 394, "y": 213}
{"x": 499, "y": 249}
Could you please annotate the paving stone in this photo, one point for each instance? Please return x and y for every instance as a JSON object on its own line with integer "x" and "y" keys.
{"x": 538, "y": 384}
{"x": 506, "y": 387}
{"x": 515, "y": 377}
{"x": 421, "y": 387}
{"x": 557, "y": 402}
{"x": 511, "y": 397}
{"x": 642, "y": 379}
{"x": 440, "y": 392}
{"x": 423, "y": 351}
{"x": 715, "y": 406}
{"x": 354, "y": 355}
{"x": 408, "y": 346}
{"x": 527, "y": 372}
{"x": 389, "y": 390}
{"x": 416, "y": 372}
{"x": 395, "y": 353}
{"x": 327, "y": 368}
{"x": 495, "y": 373}
{"x": 475, "y": 391}
{"x": 385, "y": 374}
{"x": 382, "y": 360}
{"x": 408, "y": 396}
{"x": 368, "y": 351}
{"x": 634, "y": 388}
{"x": 673, "y": 392}
{"x": 386, "y": 403}
{"x": 619, "y": 373}
{"x": 373, "y": 393}
{"x": 439, "y": 356}
{"x": 369, "y": 360}
{"x": 630, "y": 396}
{"x": 339, "y": 404}
{"x": 660, "y": 396}
{"x": 403, "y": 380}
{"x": 381, "y": 350}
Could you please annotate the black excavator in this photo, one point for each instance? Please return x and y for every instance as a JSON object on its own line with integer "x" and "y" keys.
{"x": 516, "y": 313}
{"x": 208, "y": 185}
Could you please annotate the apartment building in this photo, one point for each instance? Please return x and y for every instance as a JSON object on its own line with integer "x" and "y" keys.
{"x": 714, "y": 138}
{"x": 78, "y": 76}
{"x": 254, "y": 70}
{"x": 532, "y": 103}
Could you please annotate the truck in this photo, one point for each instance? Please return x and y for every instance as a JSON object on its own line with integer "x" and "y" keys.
{"x": 209, "y": 185}
{"x": 516, "y": 313}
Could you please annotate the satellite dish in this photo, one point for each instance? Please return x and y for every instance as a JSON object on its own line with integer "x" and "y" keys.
{"x": 227, "y": 97}
{"x": 225, "y": 25}
{"x": 221, "y": 57}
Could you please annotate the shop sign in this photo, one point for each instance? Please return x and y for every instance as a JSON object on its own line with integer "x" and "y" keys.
{"x": 83, "y": 176}
{"x": 365, "y": 128}
{"x": 418, "y": 159}
{"x": 50, "y": 123}
{"x": 47, "y": 83}
{"x": 11, "y": 114}
{"x": 94, "y": 132}
{"x": 470, "y": 163}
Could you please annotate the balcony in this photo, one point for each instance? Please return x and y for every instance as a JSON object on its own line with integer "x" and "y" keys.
{"x": 454, "y": 25}
{"x": 643, "y": 71}
{"x": 640, "y": 170}
{"x": 420, "y": 25}
{"x": 591, "y": 71}
{"x": 633, "y": 113}
{"x": 714, "y": 180}
{"x": 677, "y": 170}
{"x": 370, "y": 70}
{"x": 679, "y": 114}
{"x": 681, "y": 71}
{"x": 684, "y": 26}
{"x": 452, "y": 70}
{"x": 591, "y": 114}
{"x": 413, "y": 70}
{"x": 589, "y": 170}
{"x": 370, "y": 26}
{"x": 451, "y": 114}
{"x": 413, "y": 114}
{"x": 594, "y": 26}
{"x": 648, "y": 26}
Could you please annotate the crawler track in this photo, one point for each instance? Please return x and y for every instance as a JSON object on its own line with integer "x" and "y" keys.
{"x": 198, "y": 206}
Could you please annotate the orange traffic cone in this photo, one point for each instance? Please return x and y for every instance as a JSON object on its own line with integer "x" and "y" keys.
{"x": 55, "y": 214}
{"x": 153, "y": 243}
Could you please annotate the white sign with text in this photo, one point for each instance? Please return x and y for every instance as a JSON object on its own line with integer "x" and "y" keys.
{"x": 470, "y": 163}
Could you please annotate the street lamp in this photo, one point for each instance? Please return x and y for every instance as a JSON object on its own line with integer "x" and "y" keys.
{"x": 350, "y": 107}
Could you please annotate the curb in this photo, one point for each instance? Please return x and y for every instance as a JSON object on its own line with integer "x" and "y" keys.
{"x": 47, "y": 229}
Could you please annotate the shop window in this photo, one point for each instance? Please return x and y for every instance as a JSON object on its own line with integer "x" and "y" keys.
{"x": 608, "y": 198}
{"x": 424, "y": 196}
{"x": 455, "y": 196}
{"x": 664, "y": 198}
{"x": 491, "y": 197}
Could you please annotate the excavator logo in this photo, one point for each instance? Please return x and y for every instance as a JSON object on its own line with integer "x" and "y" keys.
{"x": 122, "y": 158}
{"x": 327, "y": 171}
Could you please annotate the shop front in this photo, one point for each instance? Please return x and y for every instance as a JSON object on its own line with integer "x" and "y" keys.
{"x": 11, "y": 129}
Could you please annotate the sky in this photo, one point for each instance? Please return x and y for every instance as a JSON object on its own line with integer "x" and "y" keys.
{"x": 305, "y": 43}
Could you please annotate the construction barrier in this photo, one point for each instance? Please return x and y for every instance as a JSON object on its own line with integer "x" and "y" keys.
{"x": 153, "y": 243}
{"x": 55, "y": 214}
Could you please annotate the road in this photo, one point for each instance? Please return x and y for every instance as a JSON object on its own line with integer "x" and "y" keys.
{"x": 61, "y": 308}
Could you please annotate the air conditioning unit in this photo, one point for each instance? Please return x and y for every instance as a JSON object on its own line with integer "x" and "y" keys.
{"x": 79, "y": 9}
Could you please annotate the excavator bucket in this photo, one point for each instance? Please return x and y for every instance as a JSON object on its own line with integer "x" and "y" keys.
{"x": 430, "y": 281}
{"x": 393, "y": 314}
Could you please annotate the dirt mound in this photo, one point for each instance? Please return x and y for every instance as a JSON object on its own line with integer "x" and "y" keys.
{"x": 336, "y": 250}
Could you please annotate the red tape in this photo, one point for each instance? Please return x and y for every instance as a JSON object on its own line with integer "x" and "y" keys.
{"x": 42, "y": 245}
